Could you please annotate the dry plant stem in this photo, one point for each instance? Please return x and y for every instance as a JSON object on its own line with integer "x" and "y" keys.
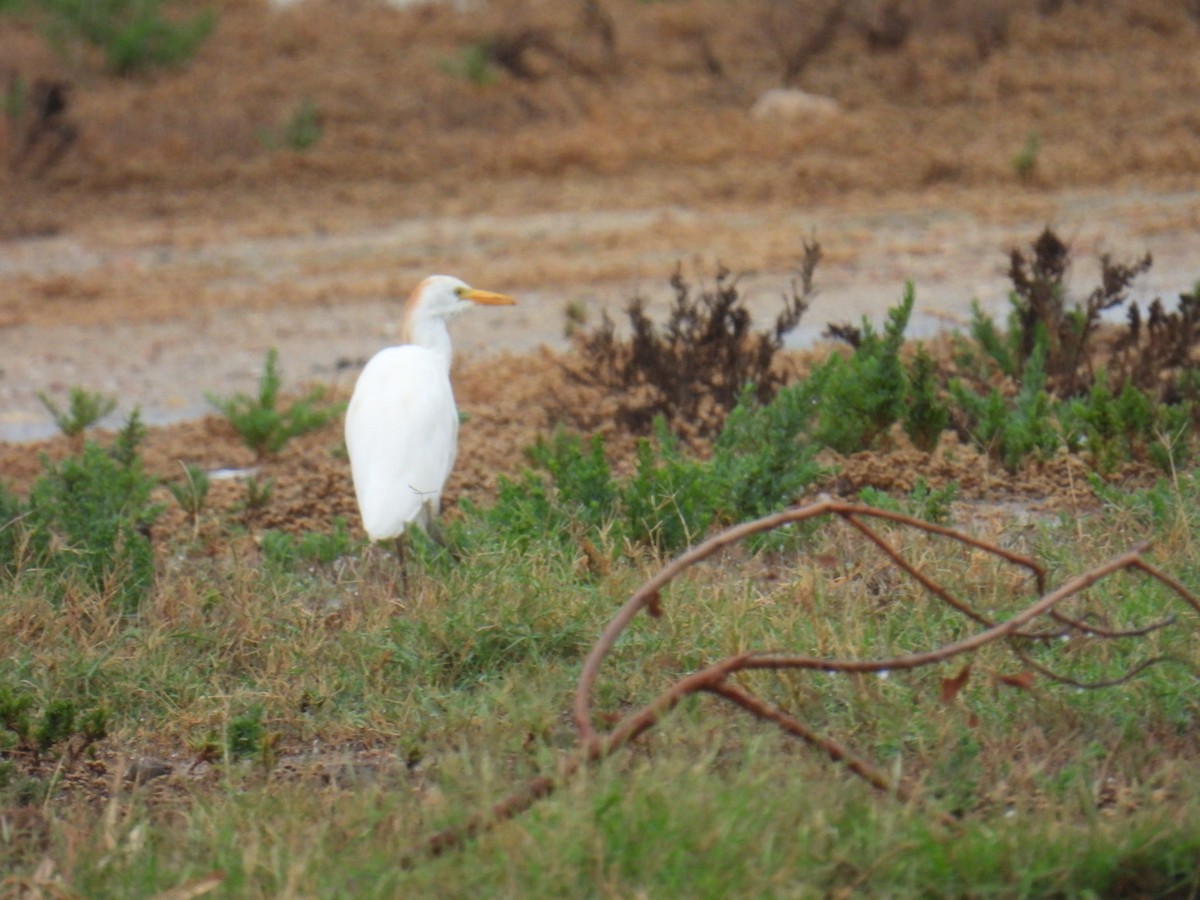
{"x": 715, "y": 678}
{"x": 1106, "y": 683}
{"x": 1107, "y": 633}
{"x": 926, "y": 582}
{"x": 796, "y": 728}
{"x": 514, "y": 804}
{"x": 1167, "y": 580}
{"x": 835, "y": 751}
{"x": 1158, "y": 575}
{"x": 1128, "y": 560}
{"x": 1140, "y": 564}
{"x": 649, "y": 592}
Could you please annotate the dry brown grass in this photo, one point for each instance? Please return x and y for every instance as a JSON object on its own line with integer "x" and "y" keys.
{"x": 935, "y": 110}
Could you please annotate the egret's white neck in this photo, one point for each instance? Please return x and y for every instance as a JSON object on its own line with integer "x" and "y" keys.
{"x": 429, "y": 332}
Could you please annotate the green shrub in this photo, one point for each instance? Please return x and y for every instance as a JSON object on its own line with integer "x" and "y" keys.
{"x": 671, "y": 500}
{"x": 14, "y": 712}
{"x": 925, "y": 414}
{"x": 149, "y": 41}
{"x": 1104, "y": 427}
{"x": 16, "y": 98}
{"x": 864, "y": 394}
{"x": 1171, "y": 446}
{"x": 991, "y": 347}
{"x": 58, "y": 722}
{"x": 1128, "y": 426}
{"x": 1012, "y": 428}
{"x": 258, "y": 493}
{"x": 1170, "y": 502}
{"x": 761, "y": 461}
{"x": 134, "y": 35}
{"x": 300, "y": 132}
{"x": 1025, "y": 161}
{"x": 922, "y": 502}
{"x": 582, "y": 478}
{"x": 88, "y": 519}
{"x": 525, "y": 511}
{"x": 1111, "y": 428}
{"x": 474, "y": 64}
{"x": 765, "y": 455}
{"x": 192, "y": 491}
{"x": 569, "y": 492}
{"x": 262, "y": 425}
{"x": 84, "y": 410}
{"x": 287, "y": 550}
{"x": 245, "y": 733}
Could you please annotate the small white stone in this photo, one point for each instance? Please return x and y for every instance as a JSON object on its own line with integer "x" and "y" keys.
{"x": 790, "y": 104}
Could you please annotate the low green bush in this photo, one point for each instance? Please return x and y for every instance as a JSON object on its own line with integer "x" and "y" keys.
{"x": 84, "y": 409}
{"x": 474, "y": 64}
{"x": 761, "y": 461}
{"x": 765, "y": 454}
{"x": 87, "y": 521}
{"x": 922, "y": 502}
{"x": 134, "y": 35}
{"x": 864, "y": 394}
{"x": 260, "y": 421}
{"x": 286, "y": 551}
{"x": 671, "y": 500}
{"x": 302, "y": 130}
{"x": 1012, "y": 428}
{"x": 925, "y": 413}
{"x": 29, "y": 726}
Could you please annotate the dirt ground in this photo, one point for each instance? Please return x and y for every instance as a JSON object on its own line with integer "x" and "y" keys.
{"x": 175, "y": 241}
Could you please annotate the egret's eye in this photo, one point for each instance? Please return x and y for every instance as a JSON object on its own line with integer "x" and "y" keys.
{"x": 458, "y": 291}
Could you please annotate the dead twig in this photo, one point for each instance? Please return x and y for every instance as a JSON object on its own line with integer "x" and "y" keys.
{"x": 38, "y": 126}
{"x": 716, "y": 679}
{"x": 797, "y": 41}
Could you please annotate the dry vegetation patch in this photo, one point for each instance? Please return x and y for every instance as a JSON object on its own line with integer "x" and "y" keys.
{"x": 410, "y": 102}
{"x": 401, "y": 707}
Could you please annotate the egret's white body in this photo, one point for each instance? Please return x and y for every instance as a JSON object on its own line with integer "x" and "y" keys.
{"x": 402, "y": 424}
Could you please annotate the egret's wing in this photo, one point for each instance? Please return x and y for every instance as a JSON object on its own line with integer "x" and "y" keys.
{"x": 401, "y": 436}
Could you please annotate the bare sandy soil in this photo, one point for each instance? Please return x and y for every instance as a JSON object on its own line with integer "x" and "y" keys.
{"x": 173, "y": 244}
{"x": 327, "y": 301}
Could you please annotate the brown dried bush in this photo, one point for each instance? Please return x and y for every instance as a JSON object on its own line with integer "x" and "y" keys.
{"x": 1155, "y": 351}
{"x": 1158, "y": 356}
{"x": 692, "y": 370}
{"x": 1040, "y": 304}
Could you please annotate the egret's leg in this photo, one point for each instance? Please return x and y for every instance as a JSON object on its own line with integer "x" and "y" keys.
{"x": 401, "y": 546}
{"x": 437, "y": 533}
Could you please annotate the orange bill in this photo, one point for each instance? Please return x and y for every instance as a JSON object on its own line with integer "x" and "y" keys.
{"x": 488, "y": 298}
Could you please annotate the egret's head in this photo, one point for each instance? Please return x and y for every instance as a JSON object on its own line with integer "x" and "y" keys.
{"x": 436, "y": 299}
{"x": 444, "y": 296}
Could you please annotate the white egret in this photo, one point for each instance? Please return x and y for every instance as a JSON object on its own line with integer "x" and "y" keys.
{"x": 402, "y": 424}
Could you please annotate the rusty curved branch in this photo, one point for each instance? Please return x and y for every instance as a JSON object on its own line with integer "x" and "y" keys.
{"x": 715, "y": 678}
{"x": 1131, "y": 673}
{"x": 649, "y": 594}
{"x": 1110, "y": 633}
{"x": 924, "y": 580}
